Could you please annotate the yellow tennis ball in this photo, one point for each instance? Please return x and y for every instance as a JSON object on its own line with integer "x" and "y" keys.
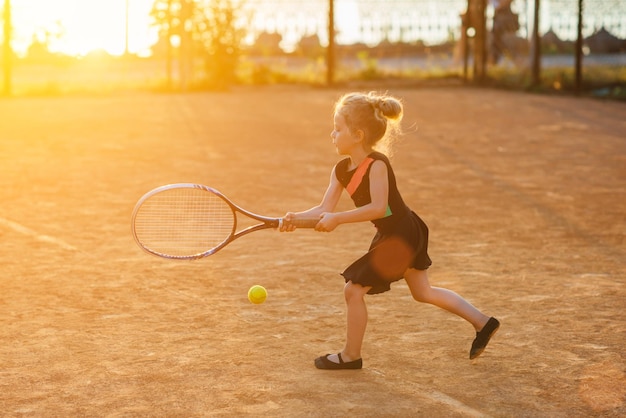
{"x": 257, "y": 294}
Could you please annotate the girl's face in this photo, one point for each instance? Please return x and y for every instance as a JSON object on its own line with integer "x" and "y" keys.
{"x": 343, "y": 139}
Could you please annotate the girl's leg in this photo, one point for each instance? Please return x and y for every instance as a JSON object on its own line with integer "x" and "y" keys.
{"x": 443, "y": 298}
{"x": 356, "y": 322}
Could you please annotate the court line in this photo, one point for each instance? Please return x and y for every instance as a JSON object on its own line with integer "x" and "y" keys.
{"x": 21, "y": 229}
{"x": 453, "y": 403}
{"x": 434, "y": 396}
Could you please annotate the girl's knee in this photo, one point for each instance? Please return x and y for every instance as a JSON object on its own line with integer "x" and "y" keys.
{"x": 351, "y": 291}
{"x": 421, "y": 295}
{"x": 419, "y": 285}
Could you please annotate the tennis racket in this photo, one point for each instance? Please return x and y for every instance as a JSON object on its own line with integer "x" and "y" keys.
{"x": 188, "y": 221}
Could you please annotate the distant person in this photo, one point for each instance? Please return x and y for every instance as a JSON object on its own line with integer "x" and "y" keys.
{"x": 504, "y": 22}
{"x": 400, "y": 247}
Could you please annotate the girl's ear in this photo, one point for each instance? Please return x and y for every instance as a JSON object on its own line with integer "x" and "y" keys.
{"x": 359, "y": 135}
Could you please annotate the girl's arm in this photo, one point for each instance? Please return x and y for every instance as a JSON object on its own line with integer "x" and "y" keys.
{"x": 329, "y": 201}
{"x": 328, "y": 204}
{"x": 379, "y": 192}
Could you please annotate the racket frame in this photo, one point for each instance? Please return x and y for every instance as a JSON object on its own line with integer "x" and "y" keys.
{"x": 266, "y": 222}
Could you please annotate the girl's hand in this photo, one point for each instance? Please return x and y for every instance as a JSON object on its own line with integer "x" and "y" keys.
{"x": 286, "y": 225}
{"x": 328, "y": 222}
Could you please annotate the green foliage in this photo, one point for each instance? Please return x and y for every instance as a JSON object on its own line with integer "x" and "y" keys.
{"x": 221, "y": 40}
{"x": 209, "y": 31}
{"x": 370, "y": 68}
{"x": 600, "y": 81}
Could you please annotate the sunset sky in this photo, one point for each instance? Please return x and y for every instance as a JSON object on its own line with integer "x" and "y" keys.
{"x": 88, "y": 24}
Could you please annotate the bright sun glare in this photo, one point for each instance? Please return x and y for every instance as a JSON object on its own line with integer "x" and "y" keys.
{"x": 80, "y": 26}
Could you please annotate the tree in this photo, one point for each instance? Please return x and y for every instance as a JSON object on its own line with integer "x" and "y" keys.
{"x": 39, "y": 49}
{"x": 267, "y": 44}
{"x": 7, "y": 51}
{"x": 220, "y": 41}
{"x": 310, "y": 46}
{"x": 204, "y": 30}
{"x": 475, "y": 18}
{"x": 166, "y": 17}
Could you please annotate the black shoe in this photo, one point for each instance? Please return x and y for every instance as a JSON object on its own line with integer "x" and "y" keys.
{"x": 483, "y": 337}
{"x": 324, "y": 363}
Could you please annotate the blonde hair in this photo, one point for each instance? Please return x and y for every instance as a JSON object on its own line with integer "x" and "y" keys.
{"x": 377, "y": 115}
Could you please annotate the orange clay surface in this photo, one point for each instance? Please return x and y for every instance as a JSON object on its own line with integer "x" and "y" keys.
{"x": 524, "y": 196}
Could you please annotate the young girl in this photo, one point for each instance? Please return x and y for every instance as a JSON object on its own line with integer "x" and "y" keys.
{"x": 399, "y": 248}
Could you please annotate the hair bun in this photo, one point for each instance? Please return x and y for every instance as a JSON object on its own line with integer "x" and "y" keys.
{"x": 390, "y": 107}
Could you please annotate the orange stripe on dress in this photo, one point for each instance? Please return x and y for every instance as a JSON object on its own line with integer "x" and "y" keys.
{"x": 357, "y": 178}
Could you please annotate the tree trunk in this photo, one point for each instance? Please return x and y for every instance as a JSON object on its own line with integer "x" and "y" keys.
{"x": 579, "y": 48}
{"x": 330, "y": 52}
{"x": 169, "y": 49}
{"x": 536, "y": 47}
{"x": 126, "y": 27}
{"x": 7, "y": 51}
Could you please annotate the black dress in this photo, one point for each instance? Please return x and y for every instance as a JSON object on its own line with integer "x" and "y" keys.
{"x": 401, "y": 240}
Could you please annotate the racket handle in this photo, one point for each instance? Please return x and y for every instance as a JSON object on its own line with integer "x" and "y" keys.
{"x": 303, "y": 223}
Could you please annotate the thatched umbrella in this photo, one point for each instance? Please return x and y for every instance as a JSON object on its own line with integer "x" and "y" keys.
{"x": 604, "y": 42}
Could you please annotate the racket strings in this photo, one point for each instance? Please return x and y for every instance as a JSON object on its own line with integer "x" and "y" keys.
{"x": 183, "y": 222}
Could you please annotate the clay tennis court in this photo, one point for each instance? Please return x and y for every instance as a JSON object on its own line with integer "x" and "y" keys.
{"x": 524, "y": 195}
